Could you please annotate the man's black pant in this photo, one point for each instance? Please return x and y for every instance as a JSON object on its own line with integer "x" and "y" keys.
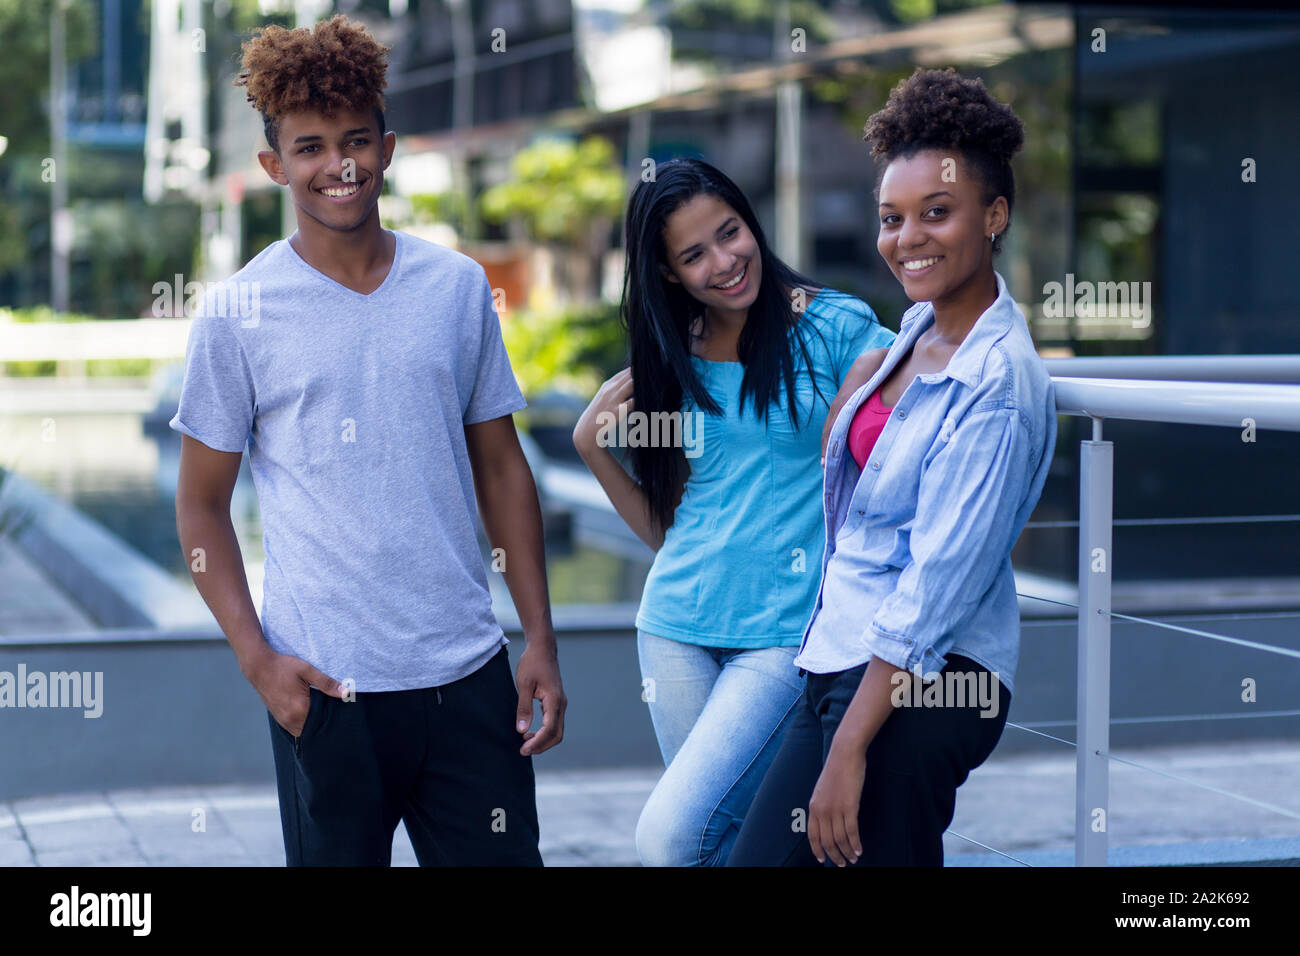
{"x": 445, "y": 760}
{"x": 918, "y": 759}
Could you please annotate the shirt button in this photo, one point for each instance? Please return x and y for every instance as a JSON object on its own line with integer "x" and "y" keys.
{"x": 875, "y": 466}
{"x": 861, "y": 512}
{"x": 907, "y": 640}
{"x": 901, "y": 415}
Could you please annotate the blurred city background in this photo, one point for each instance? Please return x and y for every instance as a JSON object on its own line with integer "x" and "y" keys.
{"x": 128, "y": 160}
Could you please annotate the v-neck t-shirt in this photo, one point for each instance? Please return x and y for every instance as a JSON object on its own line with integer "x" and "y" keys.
{"x": 353, "y": 409}
{"x": 739, "y": 564}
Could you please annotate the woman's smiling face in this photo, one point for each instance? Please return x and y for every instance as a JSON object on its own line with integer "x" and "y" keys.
{"x": 934, "y": 226}
{"x": 712, "y": 254}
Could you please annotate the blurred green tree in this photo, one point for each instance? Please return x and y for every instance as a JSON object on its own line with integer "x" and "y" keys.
{"x": 567, "y": 196}
{"x": 572, "y": 350}
{"x": 24, "y": 111}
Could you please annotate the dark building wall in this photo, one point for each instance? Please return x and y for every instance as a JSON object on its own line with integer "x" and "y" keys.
{"x": 535, "y": 74}
{"x": 1229, "y": 265}
{"x": 1224, "y": 88}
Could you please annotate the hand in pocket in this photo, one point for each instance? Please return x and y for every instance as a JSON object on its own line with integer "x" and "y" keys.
{"x": 284, "y": 683}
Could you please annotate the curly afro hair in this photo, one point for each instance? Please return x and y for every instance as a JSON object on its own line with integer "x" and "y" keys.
{"x": 332, "y": 67}
{"x": 940, "y": 109}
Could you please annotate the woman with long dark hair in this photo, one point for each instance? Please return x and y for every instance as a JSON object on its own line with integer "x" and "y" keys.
{"x": 734, "y": 358}
{"x": 933, "y": 464}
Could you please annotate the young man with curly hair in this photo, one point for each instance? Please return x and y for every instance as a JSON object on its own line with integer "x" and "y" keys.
{"x": 371, "y": 387}
{"x": 937, "y": 456}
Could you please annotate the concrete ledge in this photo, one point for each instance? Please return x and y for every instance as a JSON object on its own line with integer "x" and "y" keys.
{"x": 117, "y": 585}
{"x": 76, "y": 396}
{"x": 176, "y": 711}
{"x": 569, "y": 618}
{"x": 30, "y": 603}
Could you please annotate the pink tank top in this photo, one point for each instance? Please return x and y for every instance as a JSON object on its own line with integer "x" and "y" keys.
{"x": 868, "y": 423}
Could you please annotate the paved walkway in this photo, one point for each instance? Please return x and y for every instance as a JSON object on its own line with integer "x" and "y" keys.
{"x": 1021, "y": 805}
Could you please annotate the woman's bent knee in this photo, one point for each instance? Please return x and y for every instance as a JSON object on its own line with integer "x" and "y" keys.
{"x": 665, "y": 836}
{"x": 658, "y": 843}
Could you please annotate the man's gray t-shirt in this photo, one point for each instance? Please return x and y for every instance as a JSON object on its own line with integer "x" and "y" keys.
{"x": 353, "y": 409}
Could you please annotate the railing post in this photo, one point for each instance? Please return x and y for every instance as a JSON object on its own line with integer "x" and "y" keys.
{"x": 1092, "y": 770}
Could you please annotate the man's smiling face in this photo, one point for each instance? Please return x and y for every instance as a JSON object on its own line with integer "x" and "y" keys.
{"x": 333, "y": 164}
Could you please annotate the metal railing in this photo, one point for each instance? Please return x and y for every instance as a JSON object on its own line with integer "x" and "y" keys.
{"x": 1161, "y": 394}
{"x": 1279, "y": 369}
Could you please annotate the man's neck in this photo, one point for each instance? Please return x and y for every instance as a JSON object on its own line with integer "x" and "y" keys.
{"x": 353, "y": 258}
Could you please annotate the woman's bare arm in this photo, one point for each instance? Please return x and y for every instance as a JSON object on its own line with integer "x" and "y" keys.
{"x": 864, "y": 366}
{"x": 627, "y": 497}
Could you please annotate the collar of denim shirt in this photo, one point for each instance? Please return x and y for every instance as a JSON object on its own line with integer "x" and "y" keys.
{"x": 966, "y": 362}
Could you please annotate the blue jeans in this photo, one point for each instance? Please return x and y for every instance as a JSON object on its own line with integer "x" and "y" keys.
{"x": 719, "y": 715}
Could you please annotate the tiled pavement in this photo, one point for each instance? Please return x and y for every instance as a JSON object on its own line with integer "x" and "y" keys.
{"x": 1021, "y": 805}
{"x": 586, "y": 819}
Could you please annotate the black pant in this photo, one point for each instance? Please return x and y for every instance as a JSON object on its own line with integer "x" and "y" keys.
{"x": 918, "y": 759}
{"x": 445, "y": 760}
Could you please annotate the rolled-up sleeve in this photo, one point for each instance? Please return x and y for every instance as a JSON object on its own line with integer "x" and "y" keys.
{"x": 963, "y": 530}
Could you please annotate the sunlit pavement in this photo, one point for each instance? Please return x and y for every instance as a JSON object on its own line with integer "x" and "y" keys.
{"x": 1020, "y": 805}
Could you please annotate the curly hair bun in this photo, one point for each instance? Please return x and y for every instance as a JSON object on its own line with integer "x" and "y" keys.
{"x": 940, "y": 109}
{"x": 333, "y": 67}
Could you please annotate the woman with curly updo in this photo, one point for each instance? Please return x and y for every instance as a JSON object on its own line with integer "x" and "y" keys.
{"x": 936, "y": 452}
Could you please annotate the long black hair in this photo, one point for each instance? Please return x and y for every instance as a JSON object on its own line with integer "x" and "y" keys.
{"x": 658, "y": 315}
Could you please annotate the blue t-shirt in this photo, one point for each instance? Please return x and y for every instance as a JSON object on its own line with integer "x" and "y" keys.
{"x": 354, "y": 408}
{"x": 739, "y": 564}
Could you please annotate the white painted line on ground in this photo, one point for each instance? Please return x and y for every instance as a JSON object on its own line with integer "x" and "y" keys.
{"x": 76, "y": 814}
{"x": 559, "y": 788}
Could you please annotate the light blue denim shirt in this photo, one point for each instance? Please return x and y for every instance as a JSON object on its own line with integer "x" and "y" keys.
{"x": 917, "y": 563}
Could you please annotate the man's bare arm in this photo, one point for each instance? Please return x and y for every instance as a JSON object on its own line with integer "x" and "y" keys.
{"x": 207, "y": 535}
{"x": 512, "y": 520}
{"x": 203, "y": 492}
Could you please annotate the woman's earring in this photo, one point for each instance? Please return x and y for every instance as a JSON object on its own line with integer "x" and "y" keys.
{"x": 992, "y": 237}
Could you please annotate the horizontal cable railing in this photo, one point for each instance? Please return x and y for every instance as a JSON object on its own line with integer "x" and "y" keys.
{"x": 1167, "y": 719}
{"x": 1161, "y": 522}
